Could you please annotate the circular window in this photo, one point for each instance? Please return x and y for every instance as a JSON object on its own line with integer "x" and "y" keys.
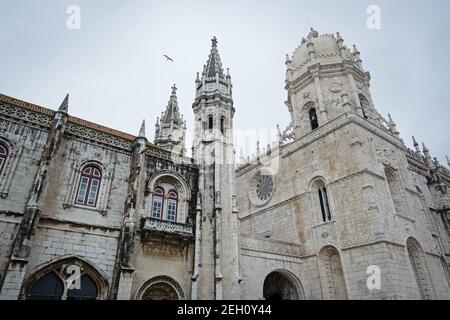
{"x": 262, "y": 188}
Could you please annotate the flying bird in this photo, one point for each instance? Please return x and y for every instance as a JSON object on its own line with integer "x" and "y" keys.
{"x": 168, "y": 58}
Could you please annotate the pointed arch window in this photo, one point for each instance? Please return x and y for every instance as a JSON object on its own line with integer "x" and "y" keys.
{"x": 172, "y": 205}
{"x": 3, "y": 156}
{"x": 157, "y": 204}
{"x": 89, "y": 186}
{"x": 313, "y": 119}
{"x": 324, "y": 202}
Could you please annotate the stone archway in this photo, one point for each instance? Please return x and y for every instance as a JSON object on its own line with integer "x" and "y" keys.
{"x": 70, "y": 278}
{"x": 280, "y": 285}
{"x": 160, "y": 288}
{"x": 160, "y": 291}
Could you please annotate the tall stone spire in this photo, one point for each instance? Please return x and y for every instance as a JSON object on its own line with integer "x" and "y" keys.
{"x": 213, "y": 80}
{"x": 214, "y": 64}
{"x": 170, "y": 130}
{"x": 216, "y": 265}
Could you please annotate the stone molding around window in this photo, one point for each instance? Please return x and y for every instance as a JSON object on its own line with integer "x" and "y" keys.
{"x": 103, "y": 193}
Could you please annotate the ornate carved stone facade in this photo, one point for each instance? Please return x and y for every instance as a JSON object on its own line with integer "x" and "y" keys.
{"x": 339, "y": 192}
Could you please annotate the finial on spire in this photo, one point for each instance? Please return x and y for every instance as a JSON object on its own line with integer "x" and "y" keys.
{"x": 288, "y": 59}
{"x": 416, "y": 145}
{"x": 214, "y": 41}
{"x": 241, "y": 157}
{"x": 142, "y": 130}
{"x": 313, "y": 33}
{"x": 228, "y": 73}
{"x": 64, "y": 107}
{"x": 174, "y": 89}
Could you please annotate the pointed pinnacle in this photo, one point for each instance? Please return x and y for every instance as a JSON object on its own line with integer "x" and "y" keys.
{"x": 415, "y": 142}
{"x": 142, "y": 131}
{"x": 174, "y": 89}
{"x": 64, "y": 105}
{"x": 448, "y": 160}
{"x": 214, "y": 41}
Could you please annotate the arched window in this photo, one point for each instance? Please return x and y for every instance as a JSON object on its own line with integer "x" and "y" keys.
{"x": 3, "y": 156}
{"x": 158, "y": 199}
{"x": 313, "y": 119}
{"x": 222, "y": 125}
{"x": 54, "y": 286}
{"x": 324, "y": 204}
{"x": 89, "y": 186}
{"x": 172, "y": 204}
{"x": 364, "y": 105}
{"x": 394, "y": 189}
{"x": 49, "y": 287}
{"x": 210, "y": 123}
{"x": 322, "y": 197}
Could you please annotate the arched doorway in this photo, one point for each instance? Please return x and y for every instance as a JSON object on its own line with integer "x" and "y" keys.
{"x": 279, "y": 285}
{"x": 67, "y": 279}
{"x": 160, "y": 288}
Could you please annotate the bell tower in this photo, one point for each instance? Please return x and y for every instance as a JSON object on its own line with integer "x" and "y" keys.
{"x": 324, "y": 80}
{"x": 216, "y": 270}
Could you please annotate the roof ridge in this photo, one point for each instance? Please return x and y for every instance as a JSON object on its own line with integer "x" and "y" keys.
{"x": 72, "y": 119}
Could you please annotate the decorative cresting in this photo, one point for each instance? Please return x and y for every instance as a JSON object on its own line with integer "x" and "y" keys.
{"x": 420, "y": 269}
{"x": 331, "y": 274}
{"x": 55, "y": 281}
{"x": 282, "y": 285}
{"x": 262, "y": 188}
{"x": 160, "y": 288}
{"x": 151, "y": 224}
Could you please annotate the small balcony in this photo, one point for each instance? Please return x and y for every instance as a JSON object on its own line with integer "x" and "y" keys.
{"x": 155, "y": 228}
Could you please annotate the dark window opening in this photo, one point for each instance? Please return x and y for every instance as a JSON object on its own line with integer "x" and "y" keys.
{"x": 222, "y": 125}
{"x": 324, "y": 204}
{"x": 210, "y": 123}
{"x": 313, "y": 119}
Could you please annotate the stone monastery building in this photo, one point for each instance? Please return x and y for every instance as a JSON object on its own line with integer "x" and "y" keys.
{"x": 89, "y": 212}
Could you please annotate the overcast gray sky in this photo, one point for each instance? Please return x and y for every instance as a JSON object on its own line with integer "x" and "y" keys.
{"x": 115, "y": 73}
